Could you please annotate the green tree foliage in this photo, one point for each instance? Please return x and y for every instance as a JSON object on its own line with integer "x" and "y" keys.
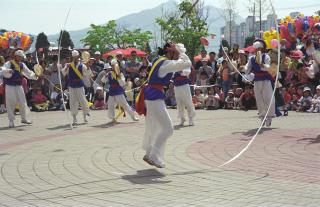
{"x": 66, "y": 41}
{"x": 187, "y": 26}
{"x": 249, "y": 41}
{"x": 42, "y": 41}
{"x": 105, "y": 37}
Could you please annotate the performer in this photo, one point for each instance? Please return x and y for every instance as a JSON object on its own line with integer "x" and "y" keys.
{"x": 183, "y": 97}
{"x": 75, "y": 71}
{"x": 259, "y": 65}
{"x": 116, "y": 81}
{"x": 150, "y": 101}
{"x": 13, "y": 73}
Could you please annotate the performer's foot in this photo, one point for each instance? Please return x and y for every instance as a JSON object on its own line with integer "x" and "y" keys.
{"x": 75, "y": 122}
{"x": 156, "y": 162}
{"x": 11, "y": 124}
{"x": 134, "y": 118}
{"x": 268, "y": 122}
{"x": 85, "y": 118}
{"x": 26, "y": 121}
{"x": 182, "y": 120}
{"x": 191, "y": 122}
{"x": 146, "y": 159}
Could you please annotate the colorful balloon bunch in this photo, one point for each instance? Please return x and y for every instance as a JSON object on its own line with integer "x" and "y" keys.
{"x": 15, "y": 40}
{"x": 292, "y": 29}
{"x": 270, "y": 37}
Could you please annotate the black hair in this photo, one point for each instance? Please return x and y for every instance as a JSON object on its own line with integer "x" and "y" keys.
{"x": 163, "y": 51}
{"x": 212, "y": 53}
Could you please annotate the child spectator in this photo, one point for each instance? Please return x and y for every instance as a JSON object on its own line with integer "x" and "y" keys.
{"x": 225, "y": 73}
{"x": 98, "y": 100}
{"x": 212, "y": 100}
{"x": 229, "y": 100}
{"x": 237, "y": 96}
{"x": 304, "y": 103}
{"x": 39, "y": 102}
{"x": 315, "y": 107}
{"x": 198, "y": 99}
{"x": 247, "y": 100}
{"x": 203, "y": 81}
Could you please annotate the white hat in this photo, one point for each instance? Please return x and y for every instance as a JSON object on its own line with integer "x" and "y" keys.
{"x": 306, "y": 89}
{"x": 257, "y": 45}
{"x": 136, "y": 80}
{"x": 97, "y": 53}
{"x": 75, "y": 53}
{"x": 99, "y": 88}
{"x": 242, "y": 52}
{"x": 107, "y": 66}
{"x": 318, "y": 87}
{"x": 20, "y": 53}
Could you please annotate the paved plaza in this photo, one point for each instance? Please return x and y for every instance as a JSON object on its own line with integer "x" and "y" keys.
{"x": 100, "y": 164}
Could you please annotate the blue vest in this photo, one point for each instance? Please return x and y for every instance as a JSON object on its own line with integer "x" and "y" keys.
{"x": 259, "y": 75}
{"x": 73, "y": 79}
{"x": 115, "y": 88}
{"x": 16, "y": 78}
{"x": 152, "y": 91}
{"x": 179, "y": 80}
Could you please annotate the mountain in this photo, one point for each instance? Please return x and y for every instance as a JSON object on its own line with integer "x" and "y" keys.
{"x": 146, "y": 21}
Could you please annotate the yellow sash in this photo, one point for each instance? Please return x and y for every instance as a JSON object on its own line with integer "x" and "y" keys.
{"x": 154, "y": 66}
{"x": 114, "y": 75}
{"x": 16, "y": 65}
{"x": 76, "y": 70}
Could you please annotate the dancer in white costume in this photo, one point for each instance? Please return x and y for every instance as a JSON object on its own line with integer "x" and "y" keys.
{"x": 259, "y": 65}
{"x": 75, "y": 71}
{"x": 13, "y": 73}
{"x": 151, "y": 98}
{"x": 116, "y": 93}
{"x": 183, "y": 97}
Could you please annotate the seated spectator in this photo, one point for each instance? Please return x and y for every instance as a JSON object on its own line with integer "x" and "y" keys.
{"x": 237, "y": 96}
{"x": 198, "y": 99}
{"x": 55, "y": 102}
{"x": 98, "y": 100}
{"x": 212, "y": 100}
{"x": 304, "y": 103}
{"x": 229, "y": 101}
{"x": 247, "y": 99}
{"x": 40, "y": 102}
{"x": 217, "y": 91}
{"x": 315, "y": 103}
{"x": 170, "y": 96}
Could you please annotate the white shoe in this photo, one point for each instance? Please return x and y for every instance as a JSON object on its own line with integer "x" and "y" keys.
{"x": 268, "y": 122}
{"x": 182, "y": 120}
{"x": 134, "y": 118}
{"x": 75, "y": 122}
{"x": 316, "y": 110}
{"x": 191, "y": 122}
{"x": 11, "y": 124}
{"x": 26, "y": 121}
{"x": 154, "y": 160}
{"x": 85, "y": 119}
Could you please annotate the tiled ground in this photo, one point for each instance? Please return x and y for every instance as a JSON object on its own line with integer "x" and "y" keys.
{"x": 97, "y": 164}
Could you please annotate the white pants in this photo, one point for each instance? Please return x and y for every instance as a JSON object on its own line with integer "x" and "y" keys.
{"x": 77, "y": 96}
{"x": 263, "y": 93}
{"x": 184, "y": 101}
{"x": 15, "y": 95}
{"x": 113, "y": 101}
{"x": 158, "y": 128}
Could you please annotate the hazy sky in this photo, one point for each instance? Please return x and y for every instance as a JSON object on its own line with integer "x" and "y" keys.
{"x": 34, "y": 16}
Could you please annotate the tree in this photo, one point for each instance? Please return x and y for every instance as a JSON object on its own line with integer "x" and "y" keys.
{"x": 318, "y": 12}
{"x": 105, "y": 37}
{"x": 42, "y": 41}
{"x": 229, "y": 16}
{"x": 66, "y": 41}
{"x": 186, "y": 26}
{"x": 249, "y": 41}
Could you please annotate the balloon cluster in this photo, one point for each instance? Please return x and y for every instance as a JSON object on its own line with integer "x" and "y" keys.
{"x": 294, "y": 29}
{"x": 15, "y": 40}
{"x": 270, "y": 37}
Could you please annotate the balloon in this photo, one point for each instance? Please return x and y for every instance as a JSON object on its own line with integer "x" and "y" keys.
{"x": 274, "y": 43}
{"x": 298, "y": 25}
{"x": 311, "y": 22}
{"x": 204, "y": 41}
{"x": 290, "y": 28}
{"x": 305, "y": 26}
{"x": 284, "y": 33}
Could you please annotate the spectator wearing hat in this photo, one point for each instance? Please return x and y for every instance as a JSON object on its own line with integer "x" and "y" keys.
{"x": 98, "y": 64}
{"x": 102, "y": 77}
{"x": 206, "y": 68}
{"x": 98, "y": 100}
{"x": 14, "y": 71}
{"x": 259, "y": 64}
{"x": 76, "y": 71}
{"x": 229, "y": 101}
{"x": 305, "y": 102}
{"x": 315, "y": 103}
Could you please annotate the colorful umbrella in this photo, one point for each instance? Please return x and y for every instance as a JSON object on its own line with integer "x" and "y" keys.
{"x": 140, "y": 53}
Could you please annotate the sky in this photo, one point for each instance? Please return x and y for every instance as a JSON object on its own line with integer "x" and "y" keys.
{"x": 35, "y": 16}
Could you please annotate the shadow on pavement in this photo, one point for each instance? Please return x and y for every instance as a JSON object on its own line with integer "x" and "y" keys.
{"x": 315, "y": 140}
{"x": 178, "y": 127}
{"x": 149, "y": 176}
{"x": 252, "y": 132}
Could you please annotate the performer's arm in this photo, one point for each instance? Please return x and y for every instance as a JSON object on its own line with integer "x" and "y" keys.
{"x": 121, "y": 80}
{"x": 267, "y": 63}
{"x": 171, "y": 66}
{"x": 248, "y": 66}
{"x": 65, "y": 69}
{"x": 28, "y": 73}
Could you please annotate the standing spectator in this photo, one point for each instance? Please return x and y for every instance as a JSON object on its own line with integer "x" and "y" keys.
{"x": 225, "y": 74}
{"x": 121, "y": 62}
{"x": 132, "y": 66}
{"x": 203, "y": 56}
{"x": 213, "y": 62}
{"x": 203, "y": 81}
{"x": 206, "y": 68}
{"x": 98, "y": 64}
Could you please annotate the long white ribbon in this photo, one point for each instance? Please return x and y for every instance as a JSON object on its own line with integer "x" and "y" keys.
{"x": 265, "y": 117}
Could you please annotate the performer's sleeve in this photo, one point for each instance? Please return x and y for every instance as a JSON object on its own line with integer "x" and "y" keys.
{"x": 248, "y": 67}
{"x": 121, "y": 80}
{"x": 28, "y": 73}
{"x": 267, "y": 63}
{"x": 171, "y": 66}
{"x": 186, "y": 72}
{"x": 7, "y": 65}
{"x": 65, "y": 70}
